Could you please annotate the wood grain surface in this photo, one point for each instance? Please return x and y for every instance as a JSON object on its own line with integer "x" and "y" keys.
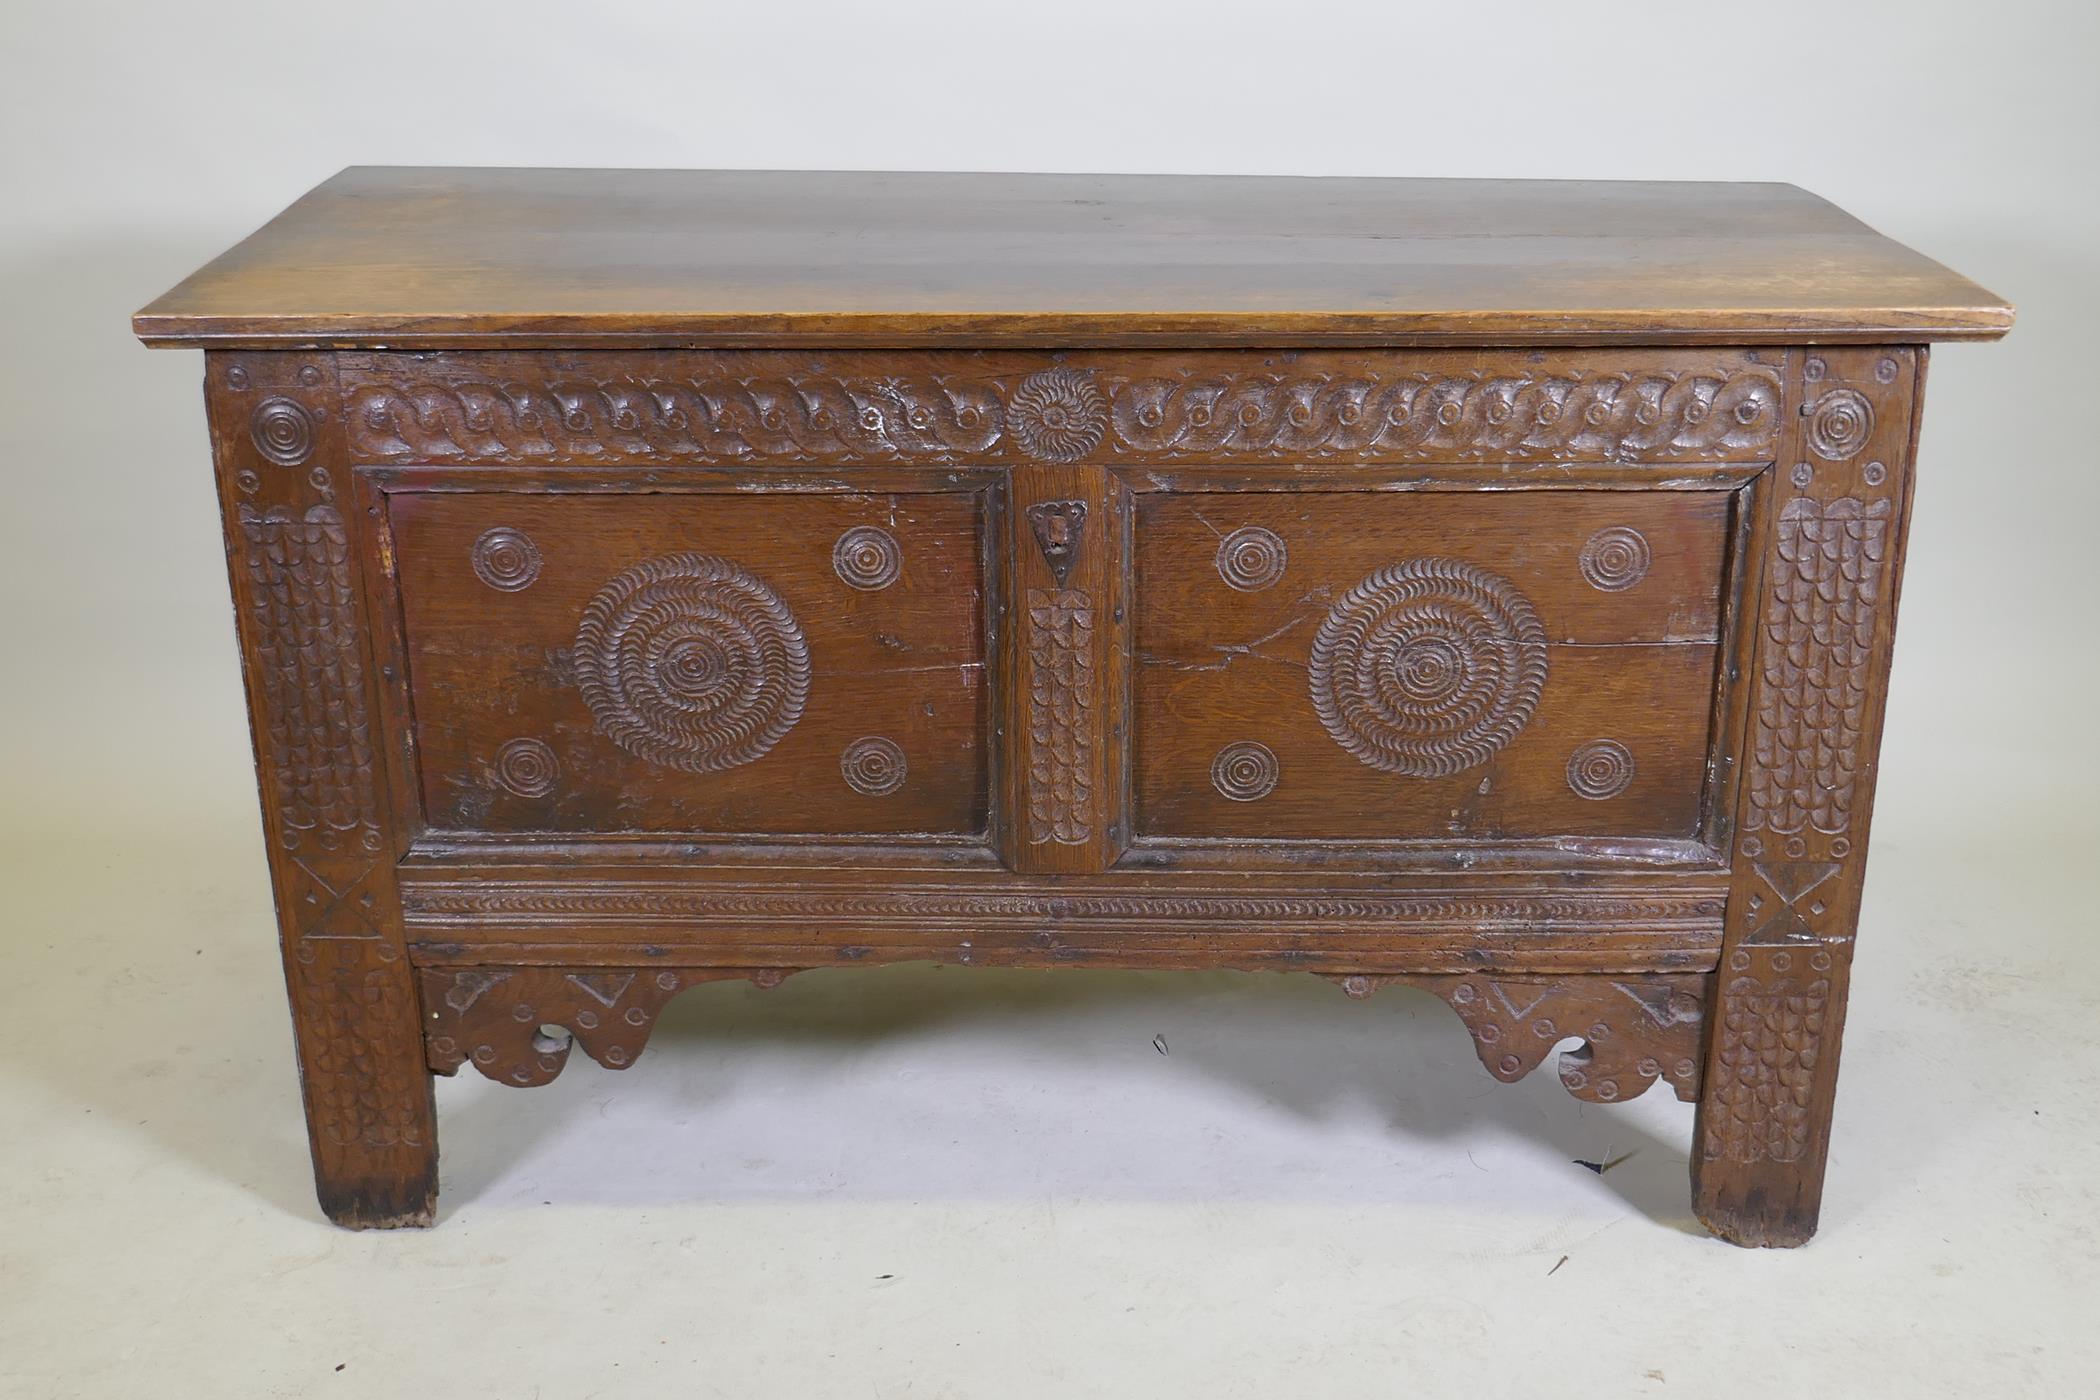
{"x": 900, "y": 662}
{"x": 424, "y": 258}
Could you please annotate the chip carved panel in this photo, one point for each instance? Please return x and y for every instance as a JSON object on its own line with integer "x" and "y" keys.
{"x": 1060, "y": 739}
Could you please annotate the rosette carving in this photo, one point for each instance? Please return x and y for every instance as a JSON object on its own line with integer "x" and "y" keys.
{"x": 1251, "y": 558}
{"x": 1245, "y": 771}
{"x": 874, "y": 766}
{"x": 1600, "y": 769}
{"x": 1615, "y": 558}
{"x": 506, "y": 559}
{"x": 688, "y": 661}
{"x": 1058, "y": 415}
{"x": 866, "y": 557}
{"x": 526, "y": 767}
{"x": 1839, "y": 423}
{"x": 1428, "y": 667}
{"x": 283, "y": 431}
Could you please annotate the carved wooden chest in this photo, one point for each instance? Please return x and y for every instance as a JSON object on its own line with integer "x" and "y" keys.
{"x": 651, "y": 578}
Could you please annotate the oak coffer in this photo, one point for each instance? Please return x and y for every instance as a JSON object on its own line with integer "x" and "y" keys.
{"x": 649, "y": 578}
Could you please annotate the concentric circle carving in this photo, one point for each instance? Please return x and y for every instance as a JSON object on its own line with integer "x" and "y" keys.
{"x": 283, "y": 431}
{"x": 1058, "y": 415}
{"x": 527, "y": 767}
{"x": 1245, "y": 771}
{"x": 1600, "y": 769}
{"x": 505, "y": 559}
{"x": 874, "y": 766}
{"x": 689, "y": 662}
{"x": 867, "y": 558}
{"x": 1251, "y": 558}
{"x": 1615, "y": 558}
{"x": 1839, "y": 423}
{"x": 1428, "y": 667}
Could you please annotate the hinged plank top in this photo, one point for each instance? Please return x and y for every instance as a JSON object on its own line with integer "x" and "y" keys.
{"x": 436, "y": 258}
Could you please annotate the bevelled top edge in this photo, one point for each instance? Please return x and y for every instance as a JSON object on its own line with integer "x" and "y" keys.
{"x": 483, "y": 258}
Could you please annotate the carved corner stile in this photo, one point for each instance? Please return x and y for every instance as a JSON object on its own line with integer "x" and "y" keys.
{"x": 313, "y": 700}
{"x": 1825, "y": 625}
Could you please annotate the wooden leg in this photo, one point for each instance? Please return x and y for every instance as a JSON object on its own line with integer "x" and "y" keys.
{"x": 370, "y": 1113}
{"x": 1763, "y": 1127}
{"x": 334, "y": 834}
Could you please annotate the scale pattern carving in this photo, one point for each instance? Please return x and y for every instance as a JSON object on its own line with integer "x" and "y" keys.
{"x": 1770, "y": 1045}
{"x": 1819, "y": 633}
{"x": 1060, "y": 699}
{"x": 353, "y": 1011}
{"x": 809, "y": 415}
{"x": 308, "y": 655}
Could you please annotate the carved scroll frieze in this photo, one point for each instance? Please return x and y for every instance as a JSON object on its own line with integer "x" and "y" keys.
{"x": 516, "y": 1024}
{"x": 1634, "y": 1030}
{"x": 790, "y": 407}
{"x": 1060, "y": 724}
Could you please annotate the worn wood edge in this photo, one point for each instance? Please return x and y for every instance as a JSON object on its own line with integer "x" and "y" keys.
{"x": 1027, "y": 330}
{"x": 383, "y": 1205}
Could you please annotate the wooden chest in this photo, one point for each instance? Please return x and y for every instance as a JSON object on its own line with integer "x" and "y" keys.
{"x": 655, "y": 577}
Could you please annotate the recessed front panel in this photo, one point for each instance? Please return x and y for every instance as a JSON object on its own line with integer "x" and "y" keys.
{"x": 1434, "y": 664}
{"x": 704, "y": 662}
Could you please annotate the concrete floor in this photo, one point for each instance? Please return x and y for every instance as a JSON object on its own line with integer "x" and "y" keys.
{"x": 952, "y": 1182}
